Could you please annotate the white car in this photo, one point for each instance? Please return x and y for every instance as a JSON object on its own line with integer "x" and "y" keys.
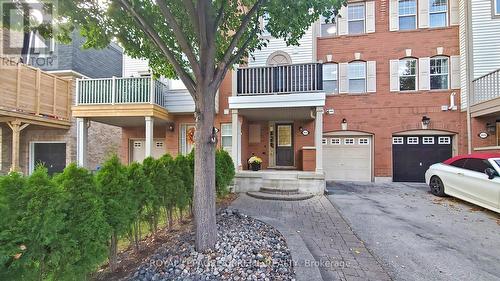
{"x": 474, "y": 178}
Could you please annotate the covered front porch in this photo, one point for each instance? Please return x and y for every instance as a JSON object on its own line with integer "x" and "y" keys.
{"x": 285, "y": 131}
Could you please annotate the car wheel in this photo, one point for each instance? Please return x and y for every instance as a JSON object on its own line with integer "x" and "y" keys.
{"x": 437, "y": 186}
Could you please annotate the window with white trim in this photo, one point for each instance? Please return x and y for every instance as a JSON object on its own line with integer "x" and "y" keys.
{"x": 330, "y": 78}
{"x": 444, "y": 140}
{"x": 363, "y": 141}
{"x": 357, "y": 77}
{"x": 407, "y": 14}
{"x": 438, "y": 13}
{"x": 328, "y": 26}
{"x": 356, "y": 18}
{"x": 265, "y": 22}
{"x": 408, "y": 75}
{"x": 335, "y": 141}
{"x": 412, "y": 140}
{"x": 439, "y": 73}
{"x": 324, "y": 141}
{"x": 398, "y": 140}
{"x": 349, "y": 141}
{"x": 137, "y": 144}
{"x": 226, "y": 136}
{"x": 428, "y": 140}
{"x": 497, "y": 7}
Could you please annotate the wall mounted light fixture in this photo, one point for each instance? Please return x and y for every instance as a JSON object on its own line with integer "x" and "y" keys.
{"x": 171, "y": 127}
{"x": 425, "y": 122}
{"x": 491, "y": 128}
{"x": 344, "y": 124}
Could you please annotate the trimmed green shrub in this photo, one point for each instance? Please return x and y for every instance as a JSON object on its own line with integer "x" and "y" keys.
{"x": 224, "y": 172}
{"x": 85, "y": 224}
{"x": 142, "y": 195}
{"x": 114, "y": 187}
{"x": 153, "y": 172}
{"x": 187, "y": 178}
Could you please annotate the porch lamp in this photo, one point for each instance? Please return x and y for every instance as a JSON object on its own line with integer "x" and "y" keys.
{"x": 425, "y": 122}
{"x": 344, "y": 124}
{"x": 171, "y": 127}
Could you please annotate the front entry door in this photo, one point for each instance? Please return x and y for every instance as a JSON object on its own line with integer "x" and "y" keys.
{"x": 51, "y": 155}
{"x": 284, "y": 145}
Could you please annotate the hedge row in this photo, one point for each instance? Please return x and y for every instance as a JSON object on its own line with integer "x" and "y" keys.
{"x": 64, "y": 227}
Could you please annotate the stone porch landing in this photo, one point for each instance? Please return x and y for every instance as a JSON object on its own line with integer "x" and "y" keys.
{"x": 305, "y": 182}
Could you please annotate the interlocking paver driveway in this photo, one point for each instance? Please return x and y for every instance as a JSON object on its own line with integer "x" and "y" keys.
{"x": 338, "y": 252}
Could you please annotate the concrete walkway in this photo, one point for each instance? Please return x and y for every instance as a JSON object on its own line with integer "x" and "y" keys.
{"x": 323, "y": 245}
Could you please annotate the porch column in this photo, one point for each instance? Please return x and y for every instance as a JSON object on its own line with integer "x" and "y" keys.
{"x": 234, "y": 145}
{"x": 82, "y": 132}
{"x": 318, "y": 136}
{"x": 16, "y": 127}
{"x": 149, "y": 136}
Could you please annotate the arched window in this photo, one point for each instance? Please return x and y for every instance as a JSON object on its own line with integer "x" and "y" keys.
{"x": 439, "y": 73}
{"x": 408, "y": 74}
{"x": 279, "y": 58}
{"x": 357, "y": 77}
{"x": 330, "y": 78}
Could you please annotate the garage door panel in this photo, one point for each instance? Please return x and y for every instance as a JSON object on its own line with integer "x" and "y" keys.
{"x": 347, "y": 162}
{"x": 412, "y": 156}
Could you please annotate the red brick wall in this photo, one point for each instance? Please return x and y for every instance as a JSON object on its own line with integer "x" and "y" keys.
{"x": 384, "y": 113}
{"x": 479, "y": 126}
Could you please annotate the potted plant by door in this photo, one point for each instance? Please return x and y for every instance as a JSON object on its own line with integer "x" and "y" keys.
{"x": 255, "y": 163}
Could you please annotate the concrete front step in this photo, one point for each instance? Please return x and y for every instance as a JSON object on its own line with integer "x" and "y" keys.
{"x": 281, "y": 197}
{"x": 279, "y": 190}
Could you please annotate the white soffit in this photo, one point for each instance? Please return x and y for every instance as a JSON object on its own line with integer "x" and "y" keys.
{"x": 277, "y": 101}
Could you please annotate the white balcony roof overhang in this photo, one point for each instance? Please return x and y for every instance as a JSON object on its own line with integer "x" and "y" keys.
{"x": 277, "y": 101}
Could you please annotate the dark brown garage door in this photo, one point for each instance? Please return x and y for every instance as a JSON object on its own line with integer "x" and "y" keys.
{"x": 412, "y": 155}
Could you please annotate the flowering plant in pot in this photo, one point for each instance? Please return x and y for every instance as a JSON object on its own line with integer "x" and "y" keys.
{"x": 255, "y": 163}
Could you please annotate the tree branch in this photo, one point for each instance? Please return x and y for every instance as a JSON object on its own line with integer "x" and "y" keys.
{"x": 189, "y": 6}
{"x": 179, "y": 35}
{"x": 220, "y": 15}
{"x": 241, "y": 30}
{"x": 150, "y": 32}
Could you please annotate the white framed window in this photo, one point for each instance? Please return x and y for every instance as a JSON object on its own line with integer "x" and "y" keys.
{"x": 356, "y": 18}
{"x": 335, "y": 141}
{"x": 330, "y": 78}
{"x": 328, "y": 26}
{"x": 357, "y": 77}
{"x": 349, "y": 141}
{"x": 438, "y": 13}
{"x": 408, "y": 75}
{"x": 159, "y": 144}
{"x": 496, "y": 5}
{"x": 439, "y": 73}
{"x": 398, "y": 140}
{"x": 407, "y": 14}
{"x": 412, "y": 140}
{"x": 265, "y": 22}
{"x": 444, "y": 140}
{"x": 324, "y": 141}
{"x": 363, "y": 141}
{"x": 428, "y": 140}
{"x": 226, "y": 136}
{"x": 137, "y": 144}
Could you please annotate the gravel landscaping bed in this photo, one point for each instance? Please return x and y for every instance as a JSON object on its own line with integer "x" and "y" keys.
{"x": 247, "y": 249}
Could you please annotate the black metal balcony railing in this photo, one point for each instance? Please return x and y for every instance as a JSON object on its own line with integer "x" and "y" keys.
{"x": 284, "y": 79}
{"x": 486, "y": 87}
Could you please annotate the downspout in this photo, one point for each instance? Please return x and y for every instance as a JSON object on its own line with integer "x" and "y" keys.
{"x": 470, "y": 72}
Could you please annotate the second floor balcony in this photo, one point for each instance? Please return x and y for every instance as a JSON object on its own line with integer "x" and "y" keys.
{"x": 485, "y": 99}
{"x": 282, "y": 79}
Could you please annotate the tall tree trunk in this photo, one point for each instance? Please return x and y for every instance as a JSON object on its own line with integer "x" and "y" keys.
{"x": 113, "y": 247}
{"x": 204, "y": 170}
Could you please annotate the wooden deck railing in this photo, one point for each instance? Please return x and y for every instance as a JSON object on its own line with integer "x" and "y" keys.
{"x": 114, "y": 90}
{"x": 28, "y": 90}
{"x": 283, "y": 79}
{"x": 486, "y": 87}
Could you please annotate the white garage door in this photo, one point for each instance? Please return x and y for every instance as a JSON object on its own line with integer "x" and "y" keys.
{"x": 347, "y": 158}
{"x": 139, "y": 150}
